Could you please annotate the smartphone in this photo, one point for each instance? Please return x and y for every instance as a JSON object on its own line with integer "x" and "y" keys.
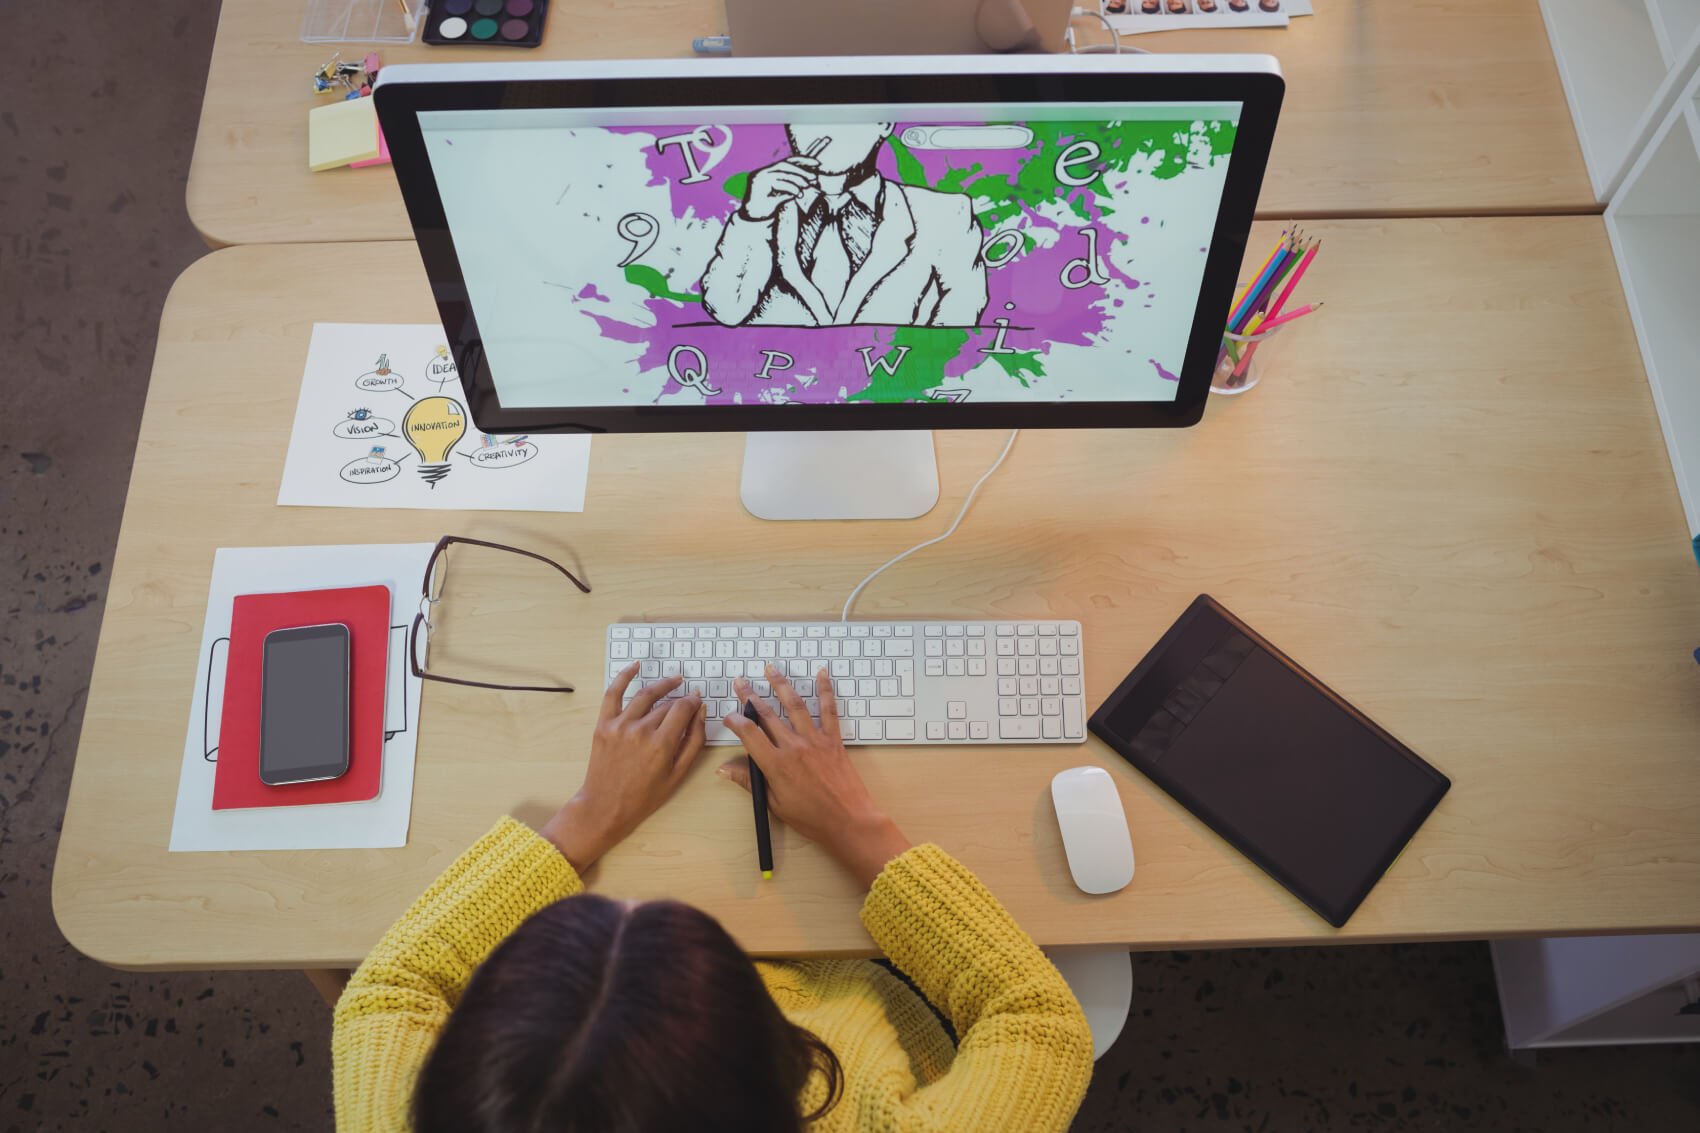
{"x": 304, "y": 704}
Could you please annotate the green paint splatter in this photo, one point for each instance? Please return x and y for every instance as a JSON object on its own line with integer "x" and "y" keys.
{"x": 655, "y": 283}
{"x": 736, "y": 185}
{"x": 1120, "y": 144}
{"x": 921, "y": 368}
{"x": 909, "y": 169}
{"x": 1020, "y": 366}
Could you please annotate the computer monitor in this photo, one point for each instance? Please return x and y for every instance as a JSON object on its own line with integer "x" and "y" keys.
{"x": 795, "y": 248}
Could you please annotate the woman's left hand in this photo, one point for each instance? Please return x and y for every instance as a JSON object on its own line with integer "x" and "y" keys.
{"x": 639, "y": 754}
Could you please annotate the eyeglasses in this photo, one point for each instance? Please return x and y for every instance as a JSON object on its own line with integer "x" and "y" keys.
{"x": 436, "y": 571}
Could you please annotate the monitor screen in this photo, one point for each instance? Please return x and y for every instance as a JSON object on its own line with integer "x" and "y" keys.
{"x": 844, "y": 254}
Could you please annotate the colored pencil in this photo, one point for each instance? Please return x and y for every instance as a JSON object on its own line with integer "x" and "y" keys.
{"x": 1257, "y": 280}
{"x": 1298, "y": 274}
{"x": 1279, "y": 320}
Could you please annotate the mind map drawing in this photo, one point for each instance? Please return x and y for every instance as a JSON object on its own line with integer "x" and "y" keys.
{"x": 380, "y": 424}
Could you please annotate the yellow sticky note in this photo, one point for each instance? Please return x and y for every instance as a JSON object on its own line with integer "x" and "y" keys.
{"x": 341, "y": 132}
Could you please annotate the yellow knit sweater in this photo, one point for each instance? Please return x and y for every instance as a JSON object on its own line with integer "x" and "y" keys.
{"x": 1023, "y": 1064}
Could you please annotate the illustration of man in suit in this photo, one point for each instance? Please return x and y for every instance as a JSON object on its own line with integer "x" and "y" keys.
{"x": 823, "y": 240}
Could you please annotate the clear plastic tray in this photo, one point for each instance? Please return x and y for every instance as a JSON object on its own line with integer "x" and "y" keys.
{"x": 362, "y": 21}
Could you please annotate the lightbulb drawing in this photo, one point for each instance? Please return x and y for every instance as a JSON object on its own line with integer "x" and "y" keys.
{"x": 433, "y": 427}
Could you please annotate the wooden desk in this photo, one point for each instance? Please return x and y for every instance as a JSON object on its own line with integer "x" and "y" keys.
{"x": 1451, "y": 502}
{"x": 1416, "y": 107}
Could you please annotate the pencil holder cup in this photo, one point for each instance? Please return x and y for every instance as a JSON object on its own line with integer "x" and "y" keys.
{"x": 1240, "y": 361}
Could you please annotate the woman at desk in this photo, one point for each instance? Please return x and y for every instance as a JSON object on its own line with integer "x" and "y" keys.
{"x": 506, "y": 999}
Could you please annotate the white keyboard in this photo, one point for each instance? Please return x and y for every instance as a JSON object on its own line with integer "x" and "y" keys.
{"x": 896, "y": 682}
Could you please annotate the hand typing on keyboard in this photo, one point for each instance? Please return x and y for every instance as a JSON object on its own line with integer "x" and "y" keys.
{"x": 811, "y": 784}
{"x": 639, "y": 754}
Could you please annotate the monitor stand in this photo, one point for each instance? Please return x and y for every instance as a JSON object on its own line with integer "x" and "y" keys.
{"x": 883, "y": 474}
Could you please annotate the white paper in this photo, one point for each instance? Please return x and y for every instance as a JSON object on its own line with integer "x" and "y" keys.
{"x": 1136, "y": 22}
{"x": 350, "y": 445}
{"x": 378, "y": 822}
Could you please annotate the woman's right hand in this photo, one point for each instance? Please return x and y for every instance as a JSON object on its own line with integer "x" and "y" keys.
{"x": 811, "y": 784}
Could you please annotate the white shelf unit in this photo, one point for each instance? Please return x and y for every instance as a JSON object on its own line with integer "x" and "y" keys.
{"x": 1621, "y": 62}
{"x": 1597, "y": 990}
{"x": 1654, "y": 225}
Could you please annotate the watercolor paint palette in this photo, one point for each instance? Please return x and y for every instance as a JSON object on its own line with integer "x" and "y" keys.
{"x": 486, "y": 23}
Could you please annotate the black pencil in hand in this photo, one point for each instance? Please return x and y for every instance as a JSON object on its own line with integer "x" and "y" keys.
{"x": 758, "y": 798}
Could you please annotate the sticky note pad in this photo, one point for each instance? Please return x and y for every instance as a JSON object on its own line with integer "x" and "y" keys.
{"x": 383, "y": 157}
{"x": 340, "y": 133}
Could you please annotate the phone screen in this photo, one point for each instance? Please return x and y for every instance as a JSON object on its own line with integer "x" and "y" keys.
{"x": 304, "y": 705}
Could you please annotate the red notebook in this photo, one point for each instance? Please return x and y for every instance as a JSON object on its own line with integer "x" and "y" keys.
{"x": 365, "y": 610}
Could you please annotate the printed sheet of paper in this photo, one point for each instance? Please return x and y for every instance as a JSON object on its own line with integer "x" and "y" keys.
{"x": 1177, "y": 15}
{"x": 380, "y": 423}
{"x": 376, "y": 823}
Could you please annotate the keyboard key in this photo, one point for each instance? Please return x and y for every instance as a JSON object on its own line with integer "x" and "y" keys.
{"x": 619, "y": 633}
{"x": 1029, "y": 706}
{"x": 1008, "y": 706}
{"x": 651, "y": 669}
{"x": 752, "y": 669}
{"x": 687, "y": 631}
{"x": 1026, "y": 629}
{"x": 953, "y": 667}
{"x": 829, "y": 648}
{"x": 798, "y": 667}
{"x": 1006, "y": 647}
{"x": 935, "y": 729}
{"x": 670, "y": 669}
{"x": 900, "y": 729}
{"x": 1048, "y": 646}
{"x": 845, "y": 687}
{"x": 697, "y": 688}
{"x": 884, "y": 668}
{"x": 976, "y": 647}
{"x": 1071, "y": 686}
{"x": 719, "y": 688}
{"x": 861, "y": 668}
{"x": 1006, "y": 666}
{"x": 1018, "y": 728}
{"x": 749, "y": 631}
{"x": 976, "y": 666}
{"x": 1073, "y": 725}
{"x": 1048, "y": 686}
{"x": 745, "y": 649}
{"x": 979, "y": 730}
{"x": 793, "y": 631}
{"x": 860, "y": 629}
{"x": 1029, "y": 686}
{"x": 888, "y": 686}
{"x": 815, "y": 631}
{"x": 772, "y": 631}
{"x": 1027, "y": 666}
{"x": 957, "y": 709}
{"x": 935, "y": 631}
{"x": 868, "y": 648}
{"x": 935, "y": 648}
{"x": 904, "y": 631}
{"x": 847, "y": 729}
{"x": 1071, "y": 666}
{"x": 809, "y": 648}
{"x": 640, "y": 649}
{"x": 897, "y": 647}
{"x": 1071, "y": 646}
{"x": 955, "y": 648}
{"x": 1047, "y": 629}
{"x": 1050, "y": 706}
{"x": 1006, "y": 686}
{"x": 1070, "y": 629}
{"x": 957, "y": 730}
{"x": 1048, "y": 666}
{"x": 976, "y": 630}
{"x": 882, "y": 631}
{"x": 935, "y": 668}
{"x": 714, "y": 668}
{"x": 855, "y": 708}
{"x": 1052, "y": 728}
{"x": 619, "y": 650}
{"x": 844, "y": 649}
{"x": 840, "y": 630}
{"x": 767, "y": 648}
{"x": 1005, "y": 630}
{"x": 884, "y": 708}
{"x": 867, "y": 686}
{"x": 870, "y": 729}
{"x": 805, "y": 686}
{"x": 1027, "y": 646}
{"x": 953, "y": 630}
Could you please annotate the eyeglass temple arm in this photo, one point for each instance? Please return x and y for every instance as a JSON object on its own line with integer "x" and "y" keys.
{"x": 571, "y": 577}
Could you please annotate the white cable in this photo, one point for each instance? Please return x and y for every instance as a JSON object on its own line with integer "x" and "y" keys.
{"x": 1114, "y": 47}
{"x": 951, "y": 530}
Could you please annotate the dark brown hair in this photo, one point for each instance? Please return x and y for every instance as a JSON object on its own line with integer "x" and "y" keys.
{"x": 601, "y": 1016}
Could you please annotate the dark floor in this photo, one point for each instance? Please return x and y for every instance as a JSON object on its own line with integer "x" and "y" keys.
{"x": 96, "y": 127}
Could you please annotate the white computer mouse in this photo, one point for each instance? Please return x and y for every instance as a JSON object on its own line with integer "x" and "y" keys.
{"x": 1094, "y": 829}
